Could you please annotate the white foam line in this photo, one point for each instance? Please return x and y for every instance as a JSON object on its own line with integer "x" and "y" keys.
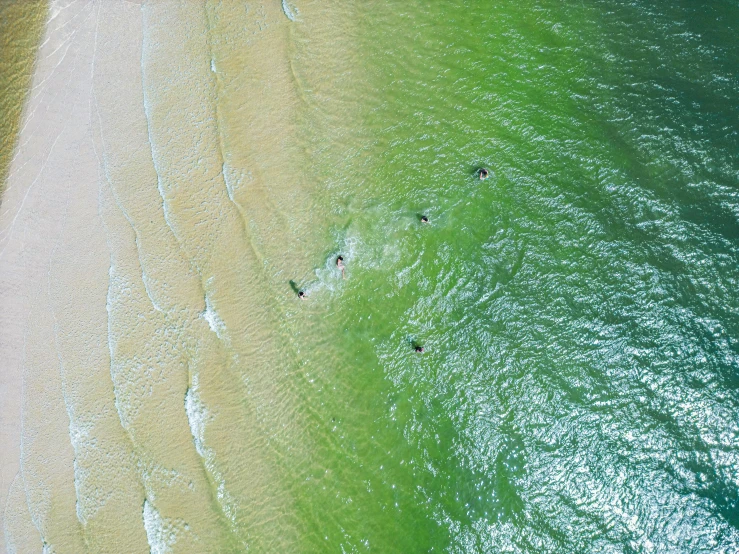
{"x": 137, "y": 242}
{"x": 214, "y": 320}
{"x": 6, "y": 511}
{"x": 147, "y": 115}
{"x": 222, "y": 152}
{"x": 137, "y": 238}
{"x": 157, "y": 169}
{"x": 28, "y": 117}
{"x": 159, "y": 534}
{"x": 67, "y": 41}
{"x": 291, "y": 12}
{"x": 56, "y": 10}
{"x": 198, "y": 417}
{"x": 34, "y": 520}
{"x": 103, "y": 177}
{"x": 197, "y": 413}
{"x": 76, "y": 433}
{"x": 109, "y": 310}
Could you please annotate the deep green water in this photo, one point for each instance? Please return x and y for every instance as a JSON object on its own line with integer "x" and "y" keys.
{"x": 580, "y": 389}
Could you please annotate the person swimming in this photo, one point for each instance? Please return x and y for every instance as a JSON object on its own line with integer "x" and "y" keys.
{"x": 419, "y": 349}
{"x": 424, "y": 219}
{"x": 301, "y": 295}
{"x": 340, "y": 265}
{"x": 484, "y": 174}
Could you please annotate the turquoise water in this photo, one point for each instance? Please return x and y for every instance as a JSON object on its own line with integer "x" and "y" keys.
{"x": 579, "y": 389}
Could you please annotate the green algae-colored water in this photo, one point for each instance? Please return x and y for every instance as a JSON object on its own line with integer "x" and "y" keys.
{"x": 21, "y": 25}
{"x": 578, "y": 392}
{"x": 579, "y": 388}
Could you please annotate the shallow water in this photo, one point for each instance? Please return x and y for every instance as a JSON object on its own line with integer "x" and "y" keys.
{"x": 578, "y": 391}
{"x": 21, "y": 25}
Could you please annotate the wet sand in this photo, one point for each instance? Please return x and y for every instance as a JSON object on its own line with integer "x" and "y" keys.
{"x": 142, "y": 234}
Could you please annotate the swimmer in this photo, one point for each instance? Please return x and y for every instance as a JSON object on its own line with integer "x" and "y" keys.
{"x": 340, "y": 265}
{"x": 301, "y": 295}
{"x": 424, "y": 219}
{"x": 484, "y": 174}
{"x": 419, "y": 349}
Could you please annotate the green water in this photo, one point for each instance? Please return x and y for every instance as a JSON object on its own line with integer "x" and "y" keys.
{"x": 578, "y": 392}
{"x": 579, "y": 385}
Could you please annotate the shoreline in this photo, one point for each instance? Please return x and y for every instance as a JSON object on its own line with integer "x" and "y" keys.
{"x": 104, "y": 244}
{"x": 185, "y": 168}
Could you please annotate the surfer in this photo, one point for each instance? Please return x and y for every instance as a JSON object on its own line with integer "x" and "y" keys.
{"x": 340, "y": 265}
{"x": 484, "y": 174}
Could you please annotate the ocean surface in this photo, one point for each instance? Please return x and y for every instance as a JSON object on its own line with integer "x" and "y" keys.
{"x": 579, "y": 310}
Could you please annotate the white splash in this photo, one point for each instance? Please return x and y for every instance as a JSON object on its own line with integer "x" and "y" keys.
{"x": 214, "y": 321}
{"x": 197, "y": 417}
{"x": 290, "y": 10}
{"x": 159, "y": 533}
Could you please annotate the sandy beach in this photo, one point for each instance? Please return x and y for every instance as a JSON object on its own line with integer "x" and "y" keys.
{"x": 120, "y": 283}
{"x": 54, "y": 262}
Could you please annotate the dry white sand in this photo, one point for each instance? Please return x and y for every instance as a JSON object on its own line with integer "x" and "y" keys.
{"x": 53, "y": 275}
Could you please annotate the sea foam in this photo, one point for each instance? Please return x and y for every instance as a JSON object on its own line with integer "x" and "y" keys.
{"x": 214, "y": 321}
{"x": 159, "y": 533}
{"x": 290, "y": 11}
{"x": 197, "y": 417}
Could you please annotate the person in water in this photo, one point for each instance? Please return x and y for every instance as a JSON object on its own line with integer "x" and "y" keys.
{"x": 301, "y": 295}
{"x": 419, "y": 349}
{"x": 484, "y": 174}
{"x": 340, "y": 265}
{"x": 424, "y": 219}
